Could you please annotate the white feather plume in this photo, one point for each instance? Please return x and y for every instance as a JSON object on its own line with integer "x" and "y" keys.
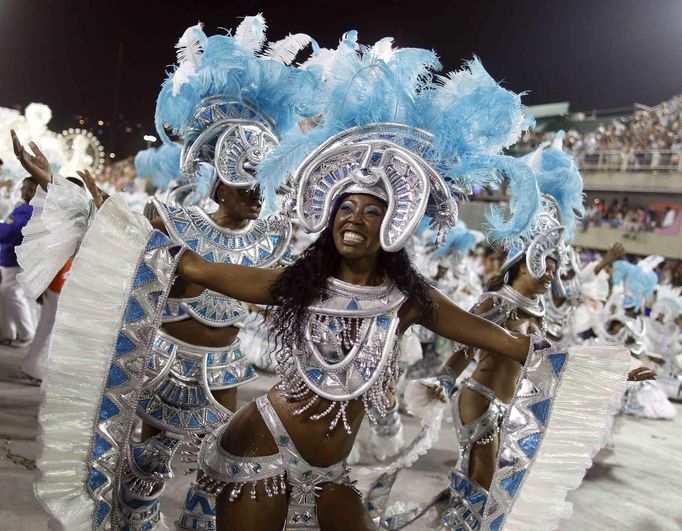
{"x": 251, "y": 32}
{"x": 285, "y": 50}
{"x": 383, "y": 50}
{"x": 189, "y": 49}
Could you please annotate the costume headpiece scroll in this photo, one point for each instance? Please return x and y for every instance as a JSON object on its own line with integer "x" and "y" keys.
{"x": 229, "y": 103}
{"x": 562, "y": 202}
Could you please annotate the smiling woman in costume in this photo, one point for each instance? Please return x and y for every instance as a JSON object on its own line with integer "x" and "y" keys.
{"x": 339, "y": 311}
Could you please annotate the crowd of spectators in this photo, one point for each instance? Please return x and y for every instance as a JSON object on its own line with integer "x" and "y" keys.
{"x": 619, "y": 214}
{"x": 649, "y": 138}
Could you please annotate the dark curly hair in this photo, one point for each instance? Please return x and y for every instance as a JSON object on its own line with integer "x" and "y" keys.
{"x": 304, "y": 282}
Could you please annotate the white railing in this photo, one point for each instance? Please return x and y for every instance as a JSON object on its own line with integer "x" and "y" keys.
{"x": 633, "y": 160}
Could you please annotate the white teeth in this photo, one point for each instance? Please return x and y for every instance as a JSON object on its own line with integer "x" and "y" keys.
{"x": 352, "y": 237}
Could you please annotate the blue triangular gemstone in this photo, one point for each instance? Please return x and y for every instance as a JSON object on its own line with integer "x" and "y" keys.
{"x": 103, "y": 509}
{"x": 262, "y": 253}
{"x": 541, "y": 409}
{"x": 95, "y": 479}
{"x": 383, "y": 321}
{"x": 124, "y": 345}
{"x": 143, "y": 276}
{"x": 229, "y": 378}
{"x": 496, "y": 524}
{"x": 99, "y": 447}
{"x": 142, "y": 404}
{"x": 353, "y": 304}
{"x": 529, "y": 444}
{"x": 212, "y": 417}
{"x": 513, "y": 482}
{"x": 117, "y": 376}
{"x": 557, "y": 361}
{"x": 193, "y": 244}
{"x": 157, "y": 240}
{"x": 274, "y": 239}
{"x": 315, "y": 375}
{"x": 134, "y": 311}
{"x": 246, "y": 261}
{"x": 181, "y": 226}
{"x": 209, "y": 257}
{"x": 157, "y": 413}
{"x": 187, "y": 366}
{"x": 175, "y": 420}
{"x": 193, "y": 422}
{"x": 108, "y": 409}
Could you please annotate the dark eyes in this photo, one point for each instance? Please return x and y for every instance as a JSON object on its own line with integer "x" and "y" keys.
{"x": 369, "y": 211}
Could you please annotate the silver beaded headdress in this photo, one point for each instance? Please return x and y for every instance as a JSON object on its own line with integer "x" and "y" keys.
{"x": 393, "y": 129}
{"x": 229, "y": 100}
{"x": 561, "y": 186}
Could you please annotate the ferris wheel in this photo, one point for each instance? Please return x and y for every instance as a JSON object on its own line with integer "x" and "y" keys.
{"x": 83, "y": 151}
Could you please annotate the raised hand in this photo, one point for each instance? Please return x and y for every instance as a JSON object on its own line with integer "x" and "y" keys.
{"x": 36, "y": 165}
{"x": 615, "y": 252}
{"x": 97, "y": 196}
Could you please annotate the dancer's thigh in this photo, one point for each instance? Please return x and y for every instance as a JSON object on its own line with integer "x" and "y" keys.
{"x": 340, "y": 508}
{"x": 483, "y": 462}
{"x": 226, "y": 397}
{"x": 248, "y": 436}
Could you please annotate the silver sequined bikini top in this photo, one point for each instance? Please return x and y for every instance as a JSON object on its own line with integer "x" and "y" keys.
{"x": 351, "y": 350}
{"x": 506, "y": 303}
{"x": 264, "y": 242}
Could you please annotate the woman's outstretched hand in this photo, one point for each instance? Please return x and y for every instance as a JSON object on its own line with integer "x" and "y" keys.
{"x": 36, "y": 165}
{"x": 97, "y": 195}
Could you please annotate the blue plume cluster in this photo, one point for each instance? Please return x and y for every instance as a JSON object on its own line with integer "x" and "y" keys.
{"x": 226, "y": 68}
{"x": 161, "y": 165}
{"x": 460, "y": 239}
{"x": 639, "y": 283}
{"x": 471, "y": 117}
{"x": 559, "y": 177}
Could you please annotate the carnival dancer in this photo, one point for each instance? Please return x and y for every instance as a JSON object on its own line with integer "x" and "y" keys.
{"x": 375, "y": 171}
{"x": 316, "y": 368}
{"x": 662, "y": 337}
{"x": 502, "y": 409}
{"x": 339, "y": 329}
{"x": 229, "y": 106}
{"x": 17, "y": 316}
{"x": 622, "y": 323}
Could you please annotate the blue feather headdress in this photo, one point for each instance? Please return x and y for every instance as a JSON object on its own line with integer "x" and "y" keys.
{"x": 230, "y": 98}
{"x": 558, "y": 176}
{"x": 231, "y": 67}
{"x": 463, "y": 119}
{"x": 639, "y": 281}
{"x": 161, "y": 165}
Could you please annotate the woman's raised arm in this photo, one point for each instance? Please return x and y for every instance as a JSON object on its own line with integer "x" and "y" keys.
{"x": 450, "y": 321}
{"x": 247, "y": 284}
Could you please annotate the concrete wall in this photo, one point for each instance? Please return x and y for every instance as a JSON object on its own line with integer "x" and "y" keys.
{"x": 633, "y": 182}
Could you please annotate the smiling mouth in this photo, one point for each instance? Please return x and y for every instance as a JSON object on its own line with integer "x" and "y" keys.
{"x": 352, "y": 238}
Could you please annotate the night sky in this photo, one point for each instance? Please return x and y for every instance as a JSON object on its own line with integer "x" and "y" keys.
{"x": 594, "y": 53}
